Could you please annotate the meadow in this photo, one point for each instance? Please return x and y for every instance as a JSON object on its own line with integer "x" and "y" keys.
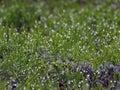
{"x": 59, "y": 45}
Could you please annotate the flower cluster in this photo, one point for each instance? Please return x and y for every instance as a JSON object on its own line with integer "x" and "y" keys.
{"x": 88, "y": 73}
{"x": 107, "y": 75}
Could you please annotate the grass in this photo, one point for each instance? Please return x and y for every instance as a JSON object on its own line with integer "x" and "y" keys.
{"x": 41, "y": 42}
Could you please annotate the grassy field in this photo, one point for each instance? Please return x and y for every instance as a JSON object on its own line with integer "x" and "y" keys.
{"x": 59, "y": 45}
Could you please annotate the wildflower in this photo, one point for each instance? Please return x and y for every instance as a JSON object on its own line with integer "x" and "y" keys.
{"x": 13, "y": 84}
{"x": 117, "y": 68}
{"x": 61, "y": 85}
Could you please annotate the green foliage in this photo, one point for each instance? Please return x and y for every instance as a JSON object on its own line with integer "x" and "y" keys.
{"x": 20, "y": 15}
{"x": 48, "y": 39}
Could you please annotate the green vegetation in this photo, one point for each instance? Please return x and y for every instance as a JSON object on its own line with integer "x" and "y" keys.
{"x": 43, "y": 41}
